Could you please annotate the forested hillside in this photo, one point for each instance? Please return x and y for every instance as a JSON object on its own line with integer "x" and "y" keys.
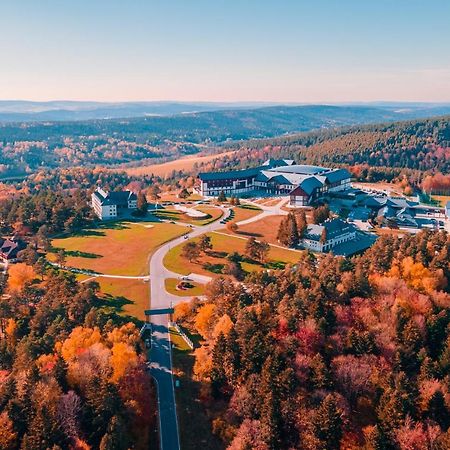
{"x": 421, "y": 145}
{"x": 332, "y": 353}
{"x": 27, "y": 147}
{"x": 72, "y": 371}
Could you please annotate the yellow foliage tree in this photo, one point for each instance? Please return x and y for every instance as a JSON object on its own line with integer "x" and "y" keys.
{"x": 127, "y": 333}
{"x": 11, "y": 332}
{"x": 224, "y": 325}
{"x": 181, "y": 311}
{"x": 204, "y": 320}
{"x": 80, "y": 339}
{"x": 203, "y": 363}
{"x": 421, "y": 278}
{"x": 123, "y": 357}
{"x": 19, "y": 275}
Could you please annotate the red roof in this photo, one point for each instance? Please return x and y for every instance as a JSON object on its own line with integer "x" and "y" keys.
{"x": 298, "y": 192}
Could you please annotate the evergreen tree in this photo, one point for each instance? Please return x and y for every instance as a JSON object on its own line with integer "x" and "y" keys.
{"x": 222, "y": 197}
{"x": 142, "y": 205}
{"x": 327, "y": 424}
{"x": 218, "y": 376}
{"x": 116, "y": 436}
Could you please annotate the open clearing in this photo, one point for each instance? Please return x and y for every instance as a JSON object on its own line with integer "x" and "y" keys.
{"x": 265, "y": 228}
{"x": 120, "y": 248}
{"x": 216, "y": 258}
{"x": 182, "y": 164}
{"x": 129, "y": 297}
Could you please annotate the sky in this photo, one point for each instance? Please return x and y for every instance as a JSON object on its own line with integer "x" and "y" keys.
{"x": 298, "y": 51}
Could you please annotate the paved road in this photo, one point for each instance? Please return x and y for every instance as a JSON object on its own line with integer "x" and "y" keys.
{"x": 160, "y": 354}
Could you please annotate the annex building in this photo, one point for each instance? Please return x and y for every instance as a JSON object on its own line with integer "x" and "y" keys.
{"x": 110, "y": 205}
{"x": 338, "y": 236}
{"x": 304, "y": 183}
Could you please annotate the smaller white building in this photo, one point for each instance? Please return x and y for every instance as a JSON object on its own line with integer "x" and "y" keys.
{"x": 110, "y": 205}
{"x": 324, "y": 237}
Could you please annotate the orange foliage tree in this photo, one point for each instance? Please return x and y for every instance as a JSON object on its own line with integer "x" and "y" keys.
{"x": 19, "y": 275}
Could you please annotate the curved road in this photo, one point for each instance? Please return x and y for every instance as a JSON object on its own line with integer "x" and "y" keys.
{"x": 161, "y": 354}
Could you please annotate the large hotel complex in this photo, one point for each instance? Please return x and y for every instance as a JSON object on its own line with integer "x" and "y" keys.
{"x": 304, "y": 183}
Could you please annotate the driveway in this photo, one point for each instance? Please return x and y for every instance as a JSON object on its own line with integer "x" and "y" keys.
{"x": 160, "y": 354}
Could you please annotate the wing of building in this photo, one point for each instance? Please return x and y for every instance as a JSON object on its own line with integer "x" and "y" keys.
{"x": 304, "y": 183}
{"x": 110, "y": 205}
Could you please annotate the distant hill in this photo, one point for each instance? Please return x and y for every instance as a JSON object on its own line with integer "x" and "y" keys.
{"x": 209, "y": 126}
{"x": 29, "y": 111}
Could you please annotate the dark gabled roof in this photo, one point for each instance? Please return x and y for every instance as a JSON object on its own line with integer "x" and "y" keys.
{"x": 310, "y": 184}
{"x": 360, "y": 213}
{"x": 337, "y": 175}
{"x": 10, "y": 247}
{"x": 298, "y": 191}
{"x": 115, "y": 198}
{"x": 362, "y": 242}
{"x": 278, "y": 162}
{"x": 279, "y": 179}
{"x": 334, "y": 228}
{"x": 245, "y": 173}
{"x": 233, "y": 174}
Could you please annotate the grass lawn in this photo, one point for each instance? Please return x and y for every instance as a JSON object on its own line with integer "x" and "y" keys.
{"x": 194, "y": 423}
{"x": 222, "y": 246}
{"x": 128, "y": 297}
{"x": 171, "y": 284}
{"x": 266, "y": 229}
{"x": 177, "y": 340}
{"x": 441, "y": 199}
{"x": 175, "y": 215}
{"x": 245, "y": 212}
{"x": 120, "y": 248}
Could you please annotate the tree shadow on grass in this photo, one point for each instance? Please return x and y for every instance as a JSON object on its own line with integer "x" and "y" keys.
{"x": 214, "y": 268}
{"x": 275, "y": 265}
{"x": 248, "y": 233}
{"x": 216, "y": 254}
{"x": 75, "y": 253}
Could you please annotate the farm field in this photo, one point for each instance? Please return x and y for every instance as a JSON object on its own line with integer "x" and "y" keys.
{"x": 129, "y": 297}
{"x": 224, "y": 244}
{"x": 182, "y": 164}
{"x": 171, "y": 286}
{"x": 120, "y": 248}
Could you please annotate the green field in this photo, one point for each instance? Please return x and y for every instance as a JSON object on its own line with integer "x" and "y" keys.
{"x": 222, "y": 246}
{"x": 121, "y": 248}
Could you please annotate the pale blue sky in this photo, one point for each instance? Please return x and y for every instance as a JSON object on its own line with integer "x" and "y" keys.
{"x": 225, "y": 50}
